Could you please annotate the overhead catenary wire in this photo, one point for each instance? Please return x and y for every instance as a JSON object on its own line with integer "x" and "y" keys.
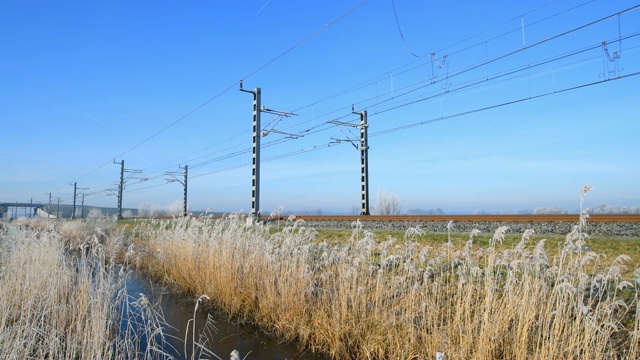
{"x": 413, "y": 87}
{"x": 406, "y": 104}
{"x": 454, "y": 73}
{"x": 231, "y": 86}
{"x": 499, "y": 75}
{"x": 490, "y": 107}
{"x": 511, "y": 31}
{"x": 488, "y": 79}
{"x": 457, "y": 72}
{"x": 293, "y": 47}
{"x": 408, "y": 66}
{"x": 455, "y": 115}
{"x": 409, "y": 126}
{"x": 404, "y": 41}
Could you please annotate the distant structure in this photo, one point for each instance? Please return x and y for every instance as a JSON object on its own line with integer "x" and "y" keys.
{"x": 4, "y": 208}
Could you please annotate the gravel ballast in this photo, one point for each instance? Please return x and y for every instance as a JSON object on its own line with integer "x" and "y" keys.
{"x": 623, "y": 229}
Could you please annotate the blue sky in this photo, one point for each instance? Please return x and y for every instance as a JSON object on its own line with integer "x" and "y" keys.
{"x": 518, "y": 107}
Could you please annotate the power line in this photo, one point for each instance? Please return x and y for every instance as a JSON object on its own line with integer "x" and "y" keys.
{"x": 488, "y": 79}
{"x": 404, "y": 41}
{"x": 323, "y": 127}
{"x": 413, "y": 125}
{"x": 511, "y": 31}
{"x": 456, "y": 73}
{"x": 485, "y": 79}
{"x": 453, "y": 74}
{"x": 296, "y": 45}
{"x": 366, "y": 83}
{"x": 231, "y": 86}
{"x": 495, "y": 106}
{"x": 403, "y": 68}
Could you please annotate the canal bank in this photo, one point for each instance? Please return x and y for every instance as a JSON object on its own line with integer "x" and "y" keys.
{"x": 215, "y": 332}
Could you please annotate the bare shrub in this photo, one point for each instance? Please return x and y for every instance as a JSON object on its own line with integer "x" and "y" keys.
{"x": 610, "y": 209}
{"x": 387, "y": 203}
{"x": 176, "y": 208}
{"x": 95, "y": 213}
{"x": 147, "y": 209}
{"x": 550, "y": 210}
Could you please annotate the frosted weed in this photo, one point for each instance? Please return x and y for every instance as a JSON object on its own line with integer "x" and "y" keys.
{"x": 498, "y": 236}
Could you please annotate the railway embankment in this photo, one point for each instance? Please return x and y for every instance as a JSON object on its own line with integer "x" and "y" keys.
{"x": 628, "y": 226}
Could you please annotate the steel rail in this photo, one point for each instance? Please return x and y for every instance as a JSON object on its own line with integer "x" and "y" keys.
{"x": 483, "y": 218}
{"x": 598, "y": 218}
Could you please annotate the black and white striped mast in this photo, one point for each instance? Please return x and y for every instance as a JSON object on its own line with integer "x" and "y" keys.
{"x": 257, "y": 133}
{"x": 364, "y": 155}
{"x": 75, "y": 190}
{"x": 255, "y": 178}
{"x": 122, "y": 182}
{"x": 173, "y": 178}
{"x": 364, "y": 162}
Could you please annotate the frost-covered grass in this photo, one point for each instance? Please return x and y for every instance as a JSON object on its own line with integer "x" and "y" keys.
{"x": 608, "y": 247}
{"x": 401, "y": 297}
{"x": 64, "y": 297}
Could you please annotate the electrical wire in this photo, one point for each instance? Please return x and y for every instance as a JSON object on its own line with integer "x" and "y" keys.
{"x": 488, "y": 79}
{"x": 511, "y": 31}
{"x": 403, "y": 68}
{"x": 404, "y": 41}
{"x": 499, "y": 75}
{"x": 458, "y": 73}
{"x": 231, "y": 86}
{"x": 408, "y": 126}
{"x": 495, "y": 106}
{"x": 412, "y": 125}
{"x": 366, "y": 83}
{"x": 324, "y": 127}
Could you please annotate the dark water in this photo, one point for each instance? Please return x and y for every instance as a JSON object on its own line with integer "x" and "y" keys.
{"x": 226, "y": 337}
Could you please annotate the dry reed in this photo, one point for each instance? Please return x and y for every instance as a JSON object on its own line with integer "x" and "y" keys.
{"x": 61, "y": 302}
{"x": 390, "y": 298}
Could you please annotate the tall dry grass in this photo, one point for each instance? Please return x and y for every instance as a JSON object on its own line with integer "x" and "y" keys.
{"x": 397, "y": 298}
{"x": 62, "y": 302}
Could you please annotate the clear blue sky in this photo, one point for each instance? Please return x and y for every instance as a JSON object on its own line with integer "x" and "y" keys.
{"x": 155, "y": 83}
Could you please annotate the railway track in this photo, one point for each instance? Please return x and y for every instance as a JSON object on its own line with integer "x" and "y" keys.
{"x": 598, "y": 218}
{"x": 627, "y": 225}
{"x": 633, "y": 218}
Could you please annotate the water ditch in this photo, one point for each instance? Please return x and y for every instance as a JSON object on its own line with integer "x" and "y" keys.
{"x": 212, "y": 327}
{"x": 227, "y": 336}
